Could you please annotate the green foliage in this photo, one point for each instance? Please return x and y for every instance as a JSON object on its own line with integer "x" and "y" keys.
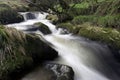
{"x": 17, "y": 5}
{"x": 106, "y": 35}
{"x": 104, "y": 21}
{"x": 19, "y": 50}
{"x": 108, "y": 7}
{"x": 12, "y": 51}
{"x": 67, "y": 26}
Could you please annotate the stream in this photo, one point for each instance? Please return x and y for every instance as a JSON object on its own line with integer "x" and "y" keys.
{"x": 90, "y": 60}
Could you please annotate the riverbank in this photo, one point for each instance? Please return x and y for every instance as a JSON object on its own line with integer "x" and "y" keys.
{"x": 20, "y": 52}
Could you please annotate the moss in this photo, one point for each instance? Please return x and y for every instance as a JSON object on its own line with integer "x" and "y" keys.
{"x": 106, "y": 35}
{"x": 12, "y": 53}
{"x": 52, "y": 18}
{"x": 43, "y": 28}
{"x": 17, "y": 5}
{"x": 106, "y": 21}
{"x": 19, "y": 51}
{"x": 8, "y": 15}
{"x": 67, "y": 26}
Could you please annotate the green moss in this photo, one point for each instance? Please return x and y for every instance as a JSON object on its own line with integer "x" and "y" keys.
{"x": 43, "y": 28}
{"x": 106, "y": 35}
{"x": 17, "y": 5}
{"x": 8, "y": 15}
{"x": 12, "y": 52}
{"x": 19, "y": 51}
{"x": 67, "y": 26}
{"x": 52, "y": 18}
{"x": 106, "y": 21}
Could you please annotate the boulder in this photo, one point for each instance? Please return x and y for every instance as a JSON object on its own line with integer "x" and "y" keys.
{"x": 53, "y": 18}
{"x": 8, "y": 15}
{"x": 43, "y": 28}
{"x": 62, "y": 72}
{"x": 51, "y": 71}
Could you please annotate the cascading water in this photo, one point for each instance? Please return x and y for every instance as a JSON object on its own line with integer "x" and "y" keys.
{"x": 89, "y": 60}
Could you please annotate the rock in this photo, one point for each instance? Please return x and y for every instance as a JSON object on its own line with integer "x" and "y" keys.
{"x": 51, "y": 71}
{"x": 67, "y": 26}
{"x": 38, "y": 50}
{"x": 43, "y": 28}
{"x": 62, "y": 72}
{"x": 52, "y": 18}
{"x": 30, "y": 16}
{"x": 20, "y": 52}
{"x": 8, "y": 15}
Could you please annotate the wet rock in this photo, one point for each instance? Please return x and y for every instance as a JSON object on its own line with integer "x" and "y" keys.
{"x": 30, "y": 16}
{"x": 62, "y": 72}
{"x": 39, "y": 50}
{"x": 51, "y": 71}
{"x": 43, "y": 28}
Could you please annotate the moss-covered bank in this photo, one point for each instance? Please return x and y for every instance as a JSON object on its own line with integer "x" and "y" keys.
{"x": 19, "y": 51}
{"x": 9, "y": 15}
{"x": 107, "y": 35}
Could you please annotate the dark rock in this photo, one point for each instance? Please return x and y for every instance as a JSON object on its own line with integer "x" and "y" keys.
{"x": 62, "y": 72}
{"x": 38, "y": 50}
{"x": 43, "y": 28}
{"x": 51, "y": 71}
{"x": 30, "y": 16}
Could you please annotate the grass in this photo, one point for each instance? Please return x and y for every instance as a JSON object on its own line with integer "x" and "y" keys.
{"x": 103, "y": 21}
{"x": 19, "y": 51}
{"x": 18, "y": 5}
{"x": 106, "y": 35}
{"x": 12, "y": 51}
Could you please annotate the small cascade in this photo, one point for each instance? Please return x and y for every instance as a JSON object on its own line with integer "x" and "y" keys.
{"x": 30, "y": 18}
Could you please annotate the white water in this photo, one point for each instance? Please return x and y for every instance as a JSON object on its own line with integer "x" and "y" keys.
{"x": 89, "y": 60}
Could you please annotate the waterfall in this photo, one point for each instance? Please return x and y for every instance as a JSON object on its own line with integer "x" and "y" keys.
{"x": 89, "y": 60}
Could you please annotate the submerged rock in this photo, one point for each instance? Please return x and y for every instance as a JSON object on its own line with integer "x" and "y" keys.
{"x": 51, "y": 71}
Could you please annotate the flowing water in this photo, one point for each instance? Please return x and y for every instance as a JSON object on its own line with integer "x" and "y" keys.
{"x": 89, "y": 60}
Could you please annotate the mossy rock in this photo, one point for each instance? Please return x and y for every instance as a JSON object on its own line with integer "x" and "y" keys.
{"x": 43, "y": 28}
{"x": 21, "y": 51}
{"x": 8, "y": 15}
{"x": 52, "y": 18}
{"x": 69, "y": 26}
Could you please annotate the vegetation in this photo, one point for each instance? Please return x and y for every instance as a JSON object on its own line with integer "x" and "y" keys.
{"x": 8, "y": 15}
{"x": 103, "y": 21}
{"x": 105, "y": 35}
{"x": 19, "y": 50}
{"x": 17, "y": 5}
{"x": 12, "y": 52}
